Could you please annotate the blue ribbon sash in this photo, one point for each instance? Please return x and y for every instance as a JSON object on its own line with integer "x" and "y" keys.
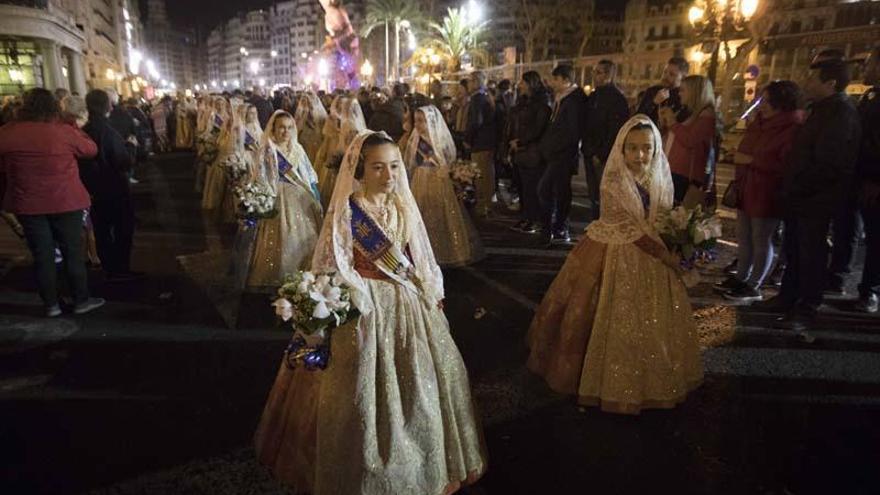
{"x": 249, "y": 141}
{"x": 424, "y": 153}
{"x": 371, "y": 241}
{"x": 218, "y": 122}
{"x": 287, "y": 174}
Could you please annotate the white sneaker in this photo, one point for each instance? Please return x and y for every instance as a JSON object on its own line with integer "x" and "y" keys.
{"x": 132, "y": 180}
{"x": 89, "y": 305}
{"x": 53, "y": 311}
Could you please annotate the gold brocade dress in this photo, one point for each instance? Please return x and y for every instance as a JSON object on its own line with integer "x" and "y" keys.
{"x": 217, "y": 195}
{"x": 284, "y": 244}
{"x": 391, "y": 415}
{"x": 310, "y": 137}
{"x": 616, "y": 330}
{"x": 454, "y": 239}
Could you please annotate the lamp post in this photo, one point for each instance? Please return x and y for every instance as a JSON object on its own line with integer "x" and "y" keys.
{"x": 717, "y": 21}
{"x": 367, "y": 71}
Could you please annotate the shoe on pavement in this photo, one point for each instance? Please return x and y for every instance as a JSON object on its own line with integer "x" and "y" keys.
{"x": 730, "y": 269}
{"x": 560, "y": 238}
{"x": 834, "y": 290}
{"x": 729, "y": 284}
{"x": 795, "y": 320}
{"x": 132, "y": 180}
{"x": 775, "y": 278}
{"x": 53, "y": 311}
{"x": 531, "y": 228}
{"x": 867, "y": 304}
{"x": 773, "y": 305}
{"x": 90, "y": 304}
{"x": 519, "y": 226}
{"x": 744, "y": 294}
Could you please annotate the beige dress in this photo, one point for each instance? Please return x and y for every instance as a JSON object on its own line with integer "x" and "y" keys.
{"x": 391, "y": 415}
{"x": 284, "y": 244}
{"x": 311, "y": 139}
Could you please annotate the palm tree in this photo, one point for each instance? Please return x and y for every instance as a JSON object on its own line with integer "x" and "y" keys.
{"x": 458, "y": 36}
{"x": 393, "y": 12}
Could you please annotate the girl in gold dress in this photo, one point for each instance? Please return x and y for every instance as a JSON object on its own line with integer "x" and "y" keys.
{"x": 310, "y": 119}
{"x": 284, "y": 244}
{"x": 351, "y": 122}
{"x": 215, "y": 193}
{"x": 429, "y": 153}
{"x": 616, "y": 327}
{"x": 329, "y": 137}
{"x": 392, "y": 413}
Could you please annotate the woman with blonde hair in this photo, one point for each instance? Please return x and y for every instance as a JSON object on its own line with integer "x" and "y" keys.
{"x": 216, "y": 195}
{"x": 310, "y": 119}
{"x": 691, "y": 145}
{"x": 351, "y": 122}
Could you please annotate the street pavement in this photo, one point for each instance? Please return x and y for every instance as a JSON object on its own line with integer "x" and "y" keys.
{"x": 153, "y": 394}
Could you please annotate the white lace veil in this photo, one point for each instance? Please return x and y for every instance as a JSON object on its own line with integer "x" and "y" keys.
{"x": 310, "y": 109}
{"x": 623, "y": 218}
{"x": 293, "y": 151}
{"x": 438, "y": 137}
{"x": 335, "y": 249}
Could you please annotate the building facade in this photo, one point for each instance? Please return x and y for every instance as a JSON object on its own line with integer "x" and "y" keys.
{"x": 41, "y": 46}
{"x": 175, "y": 58}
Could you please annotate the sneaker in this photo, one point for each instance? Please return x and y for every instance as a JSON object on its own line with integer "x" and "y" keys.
{"x": 560, "y": 238}
{"x": 775, "y": 278}
{"x": 730, "y": 269}
{"x": 519, "y": 226}
{"x": 53, "y": 311}
{"x": 867, "y": 304}
{"x": 744, "y": 294}
{"x": 728, "y": 284}
{"x": 795, "y": 320}
{"x": 91, "y": 304}
{"x": 532, "y": 228}
{"x": 132, "y": 180}
{"x": 834, "y": 290}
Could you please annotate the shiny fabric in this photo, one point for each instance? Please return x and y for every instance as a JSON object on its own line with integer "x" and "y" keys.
{"x": 616, "y": 327}
{"x": 351, "y": 119}
{"x": 393, "y": 413}
{"x": 310, "y": 119}
{"x": 454, "y": 238}
{"x": 217, "y": 194}
{"x": 186, "y": 122}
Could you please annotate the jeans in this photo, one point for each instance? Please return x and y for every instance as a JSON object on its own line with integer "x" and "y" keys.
{"x": 806, "y": 253}
{"x": 485, "y": 160}
{"x": 755, "y": 253}
{"x": 871, "y": 273}
{"x": 530, "y": 205}
{"x": 845, "y": 228}
{"x": 113, "y": 221}
{"x": 43, "y": 233}
{"x": 554, "y": 192}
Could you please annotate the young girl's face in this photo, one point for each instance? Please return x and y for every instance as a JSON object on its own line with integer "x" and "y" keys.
{"x": 638, "y": 149}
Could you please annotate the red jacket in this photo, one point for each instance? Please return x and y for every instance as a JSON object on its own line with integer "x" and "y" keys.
{"x": 690, "y": 147}
{"x": 39, "y": 162}
{"x": 767, "y": 141}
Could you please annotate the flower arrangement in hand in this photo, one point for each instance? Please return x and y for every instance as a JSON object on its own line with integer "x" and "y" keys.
{"x": 254, "y": 201}
{"x": 236, "y": 168}
{"x": 464, "y": 175}
{"x": 690, "y": 234}
{"x": 313, "y": 304}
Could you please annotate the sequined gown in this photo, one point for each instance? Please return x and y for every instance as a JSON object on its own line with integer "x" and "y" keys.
{"x": 311, "y": 138}
{"x": 391, "y": 415}
{"x": 284, "y": 244}
{"x": 616, "y": 330}
{"x": 217, "y": 194}
{"x": 453, "y": 237}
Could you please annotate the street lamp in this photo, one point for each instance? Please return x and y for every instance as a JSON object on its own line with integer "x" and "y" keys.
{"x": 254, "y": 66}
{"x": 718, "y": 21}
{"x": 367, "y": 70}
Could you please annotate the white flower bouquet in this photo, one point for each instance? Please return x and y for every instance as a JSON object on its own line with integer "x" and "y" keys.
{"x": 236, "y": 167}
{"x": 255, "y": 201}
{"x": 313, "y": 304}
{"x": 692, "y": 234}
{"x": 464, "y": 175}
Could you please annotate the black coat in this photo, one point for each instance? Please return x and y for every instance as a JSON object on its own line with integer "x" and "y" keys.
{"x": 868, "y": 166}
{"x": 481, "y": 130}
{"x": 264, "y": 109}
{"x": 122, "y": 122}
{"x": 532, "y": 119}
{"x": 822, "y": 159}
{"x": 106, "y": 175}
{"x": 607, "y": 111}
{"x": 648, "y": 107}
{"x": 561, "y": 141}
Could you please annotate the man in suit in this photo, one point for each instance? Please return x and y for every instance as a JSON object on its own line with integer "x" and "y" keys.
{"x": 560, "y": 150}
{"x": 607, "y": 111}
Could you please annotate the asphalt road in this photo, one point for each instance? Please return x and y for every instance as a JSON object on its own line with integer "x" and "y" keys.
{"x": 154, "y": 395}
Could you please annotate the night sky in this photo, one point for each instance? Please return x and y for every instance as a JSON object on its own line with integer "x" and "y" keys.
{"x": 206, "y": 14}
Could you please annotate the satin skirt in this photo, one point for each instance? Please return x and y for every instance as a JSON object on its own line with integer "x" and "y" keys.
{"x": 284, "y": 244}
{"x": 326, "y": 183}
{"x": 311, "y": 140}
{"x": 391, "y": 415}
{"x": 454, "y": 239}
{"x": 616, "y": 330}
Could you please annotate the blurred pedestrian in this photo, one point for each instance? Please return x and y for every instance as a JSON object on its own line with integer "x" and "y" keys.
{"x": 38, "y": 156}
{"x": 106, "y": 177}
{"x": 761, "y": 163}
{"x": 868, "y": 177}
{"x": 666, "y": 94}
{"x": 480, "y": 139}
{"x": 528, "y": 127}
{"x": 607, "y": 110}
{"x": 819, "y": 176}
{"x": 560, "y": 147}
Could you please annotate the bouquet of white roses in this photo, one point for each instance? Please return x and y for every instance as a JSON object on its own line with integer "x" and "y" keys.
{"x": 254, "y": 201}
{"x": 236, "y": 167}
{"x": 691, "y": 233}
{"x": 313, "y": 304}
{"x": 464, "y": 175}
